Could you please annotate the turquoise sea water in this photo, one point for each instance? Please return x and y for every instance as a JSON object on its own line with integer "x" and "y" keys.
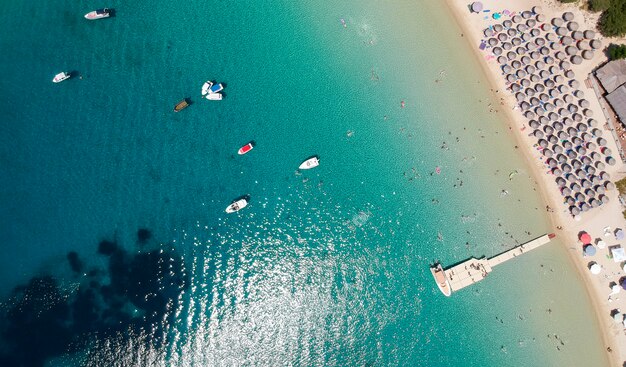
{"x": 325, "y": 267}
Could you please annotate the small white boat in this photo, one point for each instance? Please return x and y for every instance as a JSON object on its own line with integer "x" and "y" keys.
{"x": 205, "y": 87}
{"x": 440, "y": 278}
{"x": 214, "y": 97}
{"x": 237, "y": 206}
{"x": 98, "y": 14}
{"x": 310, "y": 163}
{"x": 61, "y": 77}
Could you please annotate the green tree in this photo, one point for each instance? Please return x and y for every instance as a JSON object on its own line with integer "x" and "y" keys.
{"x": 599, "y": 5}
{"x": 617, "y": 52}
{"x": 613, "y": 20}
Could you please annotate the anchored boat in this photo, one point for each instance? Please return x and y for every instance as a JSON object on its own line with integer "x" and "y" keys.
{"x": 237, "y": 206}
{"x": 98, "y": 14}
{"x": 440, "y": 278}
{"x": 310, "y": 163}
{"x": 245, "y": 149}
{"x": 61, "y": 77}
{"x": 181, "y": 105}
{"x": 211, "y": 91}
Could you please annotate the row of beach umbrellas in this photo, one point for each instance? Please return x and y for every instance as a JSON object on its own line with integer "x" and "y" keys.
{"x": 536, "y": 61}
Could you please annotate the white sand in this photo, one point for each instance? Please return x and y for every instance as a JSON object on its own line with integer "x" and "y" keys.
{"x": 596, "y": 219}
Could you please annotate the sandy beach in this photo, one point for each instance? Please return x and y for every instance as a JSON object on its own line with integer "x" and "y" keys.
{"x": 594, "y": 221}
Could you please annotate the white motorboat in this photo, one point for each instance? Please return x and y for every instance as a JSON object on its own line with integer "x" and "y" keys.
{"x": 237, "y": 206}
{"x": 61, "y": 77}
{"x": 98, "y": 14}
{"x": 214, "y": 97}
{"x": 205, "y": 87}
{"x": 310, "y": 163}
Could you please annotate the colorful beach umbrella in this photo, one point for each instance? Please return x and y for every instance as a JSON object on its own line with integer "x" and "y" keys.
{"x": 585, "y": 238}
{"x": 594, "y": 268}
{"x": 589, "y": 250}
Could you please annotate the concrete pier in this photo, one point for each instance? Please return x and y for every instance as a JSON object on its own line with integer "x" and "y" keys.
{"x": 474, "y": 270}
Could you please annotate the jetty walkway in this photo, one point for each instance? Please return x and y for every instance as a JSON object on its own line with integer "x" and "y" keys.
{"x": 474, "y": 270}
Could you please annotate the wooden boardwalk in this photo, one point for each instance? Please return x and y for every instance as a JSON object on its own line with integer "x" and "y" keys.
{"x": 474, "y": 270}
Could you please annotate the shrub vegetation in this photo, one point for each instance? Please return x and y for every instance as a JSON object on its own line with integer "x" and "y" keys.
{"x": 613, "y": 20}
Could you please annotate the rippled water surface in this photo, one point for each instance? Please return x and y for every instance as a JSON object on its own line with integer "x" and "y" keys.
{"x": 115, "y": 241}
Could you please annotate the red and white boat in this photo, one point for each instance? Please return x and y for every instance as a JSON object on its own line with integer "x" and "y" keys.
{"x": 310, "y": 163}
{"x": 245, "y": 149}
{"x": 98, "y": 14}
{"x": 61, "y": 77}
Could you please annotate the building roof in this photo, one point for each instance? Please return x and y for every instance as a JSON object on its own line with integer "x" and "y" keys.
{"x": 617, "y": 99}
{"x": 612, "y": 75}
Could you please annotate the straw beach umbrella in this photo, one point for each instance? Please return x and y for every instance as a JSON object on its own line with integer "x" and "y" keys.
{"x": 577, "y": 35}
{"x": 561, "y": 31}
{"x": 502, "y": 60}
{"x": 574, "y": 83}
{"x": 507, "y": 46}
{"x": 557, "y": 22}
{"x": 572, "y": 26}
{"x": 583, "y": 45}
{"x": 568, "y": 16}
{"x": 566, "y": 41}
{"x": 551, "y": 37}
{"x": 511, "y": 32}
{"x": 477, "y": 6}
{"x": 587, "y": 55}
{"x": 595, "y": 44}
{"x": 589, "y": 34}
{"x": 610, "y": 161}
{"x": 553, "y": 139}
{"x": 488, "y": 32}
